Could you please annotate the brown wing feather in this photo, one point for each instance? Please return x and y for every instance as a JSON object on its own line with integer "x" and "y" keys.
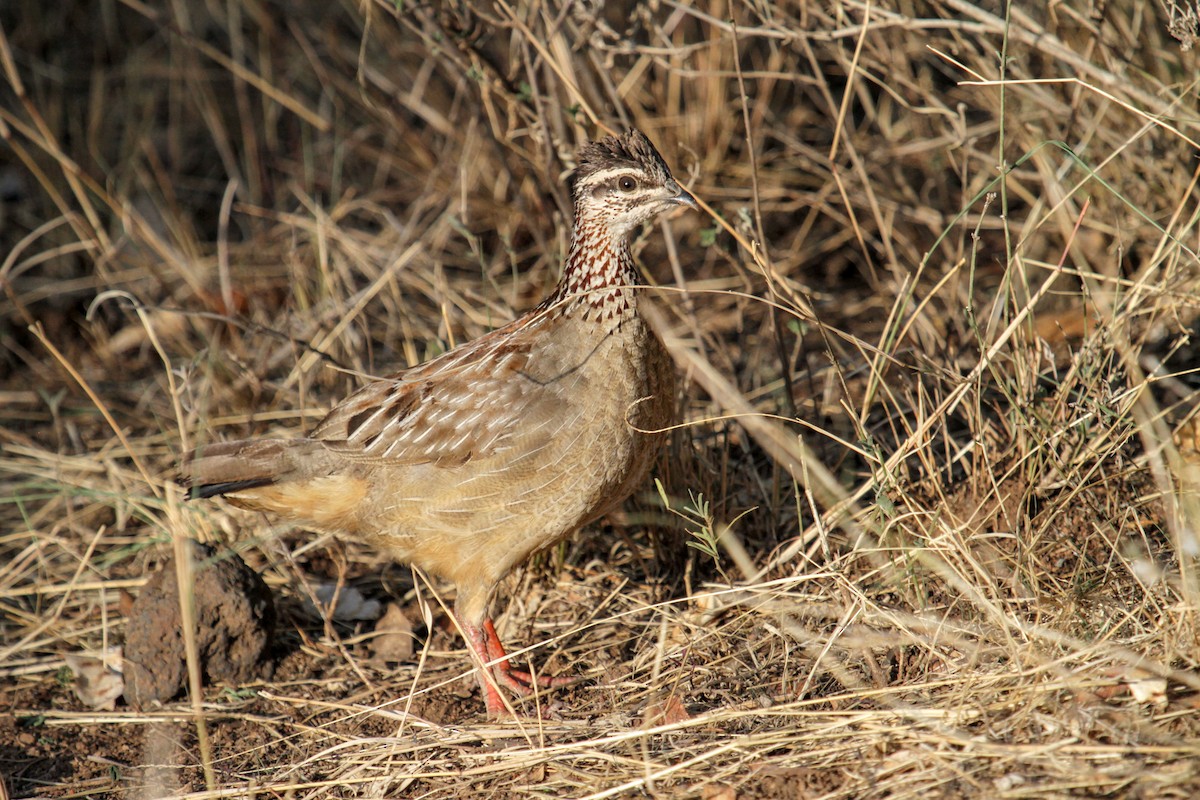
{"x": 447, "y": 411}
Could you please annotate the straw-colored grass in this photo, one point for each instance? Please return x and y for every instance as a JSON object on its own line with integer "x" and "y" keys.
{"x": 936, "y": 328}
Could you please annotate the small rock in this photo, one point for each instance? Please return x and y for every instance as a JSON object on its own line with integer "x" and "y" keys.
{"x": 98, "y": 679}
{"x": 235, "y": 620}
{"x": 394, "y": 641}
{"x": 350, "y": 606}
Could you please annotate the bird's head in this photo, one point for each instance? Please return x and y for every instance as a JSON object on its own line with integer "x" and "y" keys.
{"x": 621, "y": 182}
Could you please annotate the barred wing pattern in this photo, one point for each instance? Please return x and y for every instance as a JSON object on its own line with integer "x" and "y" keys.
{"x": 465, "y": 405}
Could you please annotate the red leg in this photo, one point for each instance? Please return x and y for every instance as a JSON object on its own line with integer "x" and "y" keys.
{"x": 477, "y": 640}
{"x": 518, "y": 680}
{"x": 486, "y": 645}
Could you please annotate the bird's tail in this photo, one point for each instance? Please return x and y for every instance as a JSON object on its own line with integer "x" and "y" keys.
{"x": 229, "y": 467}
{"x": 299, "y": 479}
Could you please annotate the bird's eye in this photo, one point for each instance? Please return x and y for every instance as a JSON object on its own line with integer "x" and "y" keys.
{"x": 627, "y": 184}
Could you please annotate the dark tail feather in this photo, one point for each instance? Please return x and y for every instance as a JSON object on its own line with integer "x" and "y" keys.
{"x": 217, "y": 489}
{"x": 224, "y": 467}
{"x": 231, "y": 467}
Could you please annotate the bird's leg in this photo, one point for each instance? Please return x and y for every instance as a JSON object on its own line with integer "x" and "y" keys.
{"x": 495, "y": 668}
{"x": 518, "y": 680}
{"x": 477, "y": 639}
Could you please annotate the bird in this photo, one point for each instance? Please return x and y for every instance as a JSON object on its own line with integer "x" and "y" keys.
{"x": 468, "y": 463}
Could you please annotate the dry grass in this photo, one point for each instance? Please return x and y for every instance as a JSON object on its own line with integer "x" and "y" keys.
{"x": 936, "y": 328}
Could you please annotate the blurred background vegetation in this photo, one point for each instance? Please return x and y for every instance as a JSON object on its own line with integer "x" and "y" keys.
{"x": 936, "y": 330}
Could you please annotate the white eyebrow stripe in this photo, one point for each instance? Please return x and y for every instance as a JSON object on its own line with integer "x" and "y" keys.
{"x": 605, "y": 174}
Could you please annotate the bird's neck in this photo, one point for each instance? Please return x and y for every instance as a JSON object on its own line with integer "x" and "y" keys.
{"x": 598, "y": 277}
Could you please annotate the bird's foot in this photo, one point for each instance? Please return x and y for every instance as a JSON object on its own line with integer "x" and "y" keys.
{"x": 520, "y": 681}
{"x": 501, "y": 672}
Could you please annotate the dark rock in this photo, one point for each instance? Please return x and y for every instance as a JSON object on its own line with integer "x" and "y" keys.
{"x": 235, "y": 621}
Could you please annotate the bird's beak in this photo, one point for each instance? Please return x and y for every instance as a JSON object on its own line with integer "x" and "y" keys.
{"x": 684, "y": 198}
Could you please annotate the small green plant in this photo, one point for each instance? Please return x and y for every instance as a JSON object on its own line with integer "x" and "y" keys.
{"x": 696, "y": 511}
{"x": 63, "y": 677}
{"x": 702, "y": 528}
{"x": 239, "y": 694}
